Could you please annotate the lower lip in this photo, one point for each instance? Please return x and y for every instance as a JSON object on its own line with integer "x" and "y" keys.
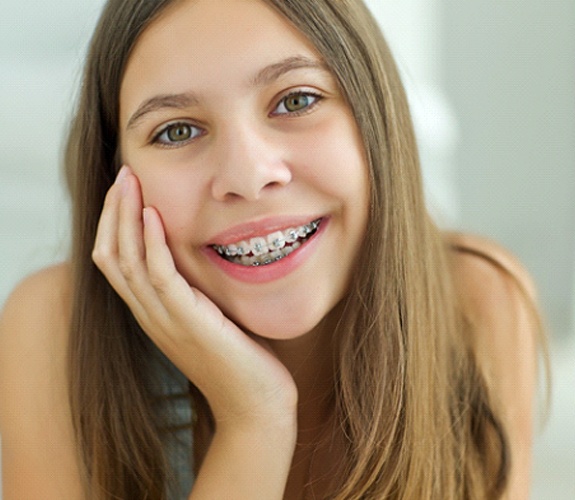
{"x": 270, "y": 272}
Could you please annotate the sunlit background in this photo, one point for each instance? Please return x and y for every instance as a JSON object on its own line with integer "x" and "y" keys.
{"x": 492, "y": 88}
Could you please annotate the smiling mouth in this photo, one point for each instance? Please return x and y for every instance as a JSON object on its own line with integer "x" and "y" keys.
{"x": 265, "y": 250}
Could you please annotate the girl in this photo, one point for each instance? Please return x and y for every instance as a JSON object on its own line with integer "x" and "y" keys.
{"x": 249, "y": 220}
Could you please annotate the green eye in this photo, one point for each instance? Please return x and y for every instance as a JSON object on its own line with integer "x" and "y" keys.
{"x": 296, "y": 103}
{"x": 177, "y": 134}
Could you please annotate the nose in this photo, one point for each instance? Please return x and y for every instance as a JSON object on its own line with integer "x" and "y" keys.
{"x": 249, "y": 164}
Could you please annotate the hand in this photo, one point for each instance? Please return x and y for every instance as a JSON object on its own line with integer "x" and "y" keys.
{"x": 238, "y": 374}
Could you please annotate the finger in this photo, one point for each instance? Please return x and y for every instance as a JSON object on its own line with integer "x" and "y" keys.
{"x": 106, "y": 251}
{"x": 159, "y": 260}
{"x": 130, "y": 234}
{"x": 178, "y": 298}
{"x": 142, "y": 297}
{"x": 106, "y": 245}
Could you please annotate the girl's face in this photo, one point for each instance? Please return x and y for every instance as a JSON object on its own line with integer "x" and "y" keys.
{"x": 241, "y": 139}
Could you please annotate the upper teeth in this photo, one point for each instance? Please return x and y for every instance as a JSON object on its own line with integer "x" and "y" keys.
{"x": 262, "y": 245}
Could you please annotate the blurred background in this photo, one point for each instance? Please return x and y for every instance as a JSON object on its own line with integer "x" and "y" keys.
{"x": 492, "y": 89}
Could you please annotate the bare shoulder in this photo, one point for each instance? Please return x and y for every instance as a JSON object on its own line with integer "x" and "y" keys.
{"x": 499, "y": 298}
{"x": 37, "y": 438}
{"x": 36, "y": 314}
{"x": 477, "y": 257}
{"x": 41, "y": 292}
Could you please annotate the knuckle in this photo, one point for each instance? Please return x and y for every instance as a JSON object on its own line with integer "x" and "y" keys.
{"x": 101, "y": 256}
{"x": 159, "y": 283}
{"x": 164, "y": 283}
{"x": 126, "y": 268}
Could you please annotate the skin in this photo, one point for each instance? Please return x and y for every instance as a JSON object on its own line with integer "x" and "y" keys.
{"x": 266, "y": 348}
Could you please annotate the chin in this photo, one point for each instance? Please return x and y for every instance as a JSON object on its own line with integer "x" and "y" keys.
{"x": 287, "y": 322}
{"x": 284, "y": 330}
{"x": 285, "y": 325}
{"x": 283, "y": 333}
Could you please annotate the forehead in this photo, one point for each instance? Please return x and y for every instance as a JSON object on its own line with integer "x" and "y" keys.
{"x": 199, "y": 42}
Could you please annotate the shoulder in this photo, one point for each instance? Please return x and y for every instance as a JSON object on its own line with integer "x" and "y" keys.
{"x": 481, "y": 261}
{"x": 498, "y": 297}
{"x": 47, "y": 287}
{"x": 37, "y": 312}
{"x": 35, "y": 421}
{"x": 39, "y": 307}
{"x": 34, "y": 332}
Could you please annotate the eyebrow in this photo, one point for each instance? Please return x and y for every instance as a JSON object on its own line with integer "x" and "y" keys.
{"x": 163, "y": 101}
{"x": 264, "y": 77}
{"x": 274, "y": 71}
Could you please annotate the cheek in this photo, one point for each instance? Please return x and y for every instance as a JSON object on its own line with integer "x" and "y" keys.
{"x": 333, "y": 158}
{"x": 176, "y": 197}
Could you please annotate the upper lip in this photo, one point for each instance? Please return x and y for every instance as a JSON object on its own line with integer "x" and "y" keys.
{"x": 262, "y": 227}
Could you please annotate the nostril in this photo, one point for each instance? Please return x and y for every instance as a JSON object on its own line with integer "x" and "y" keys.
{"x": 273, "y": 184}
{"x": 249, "y": 180}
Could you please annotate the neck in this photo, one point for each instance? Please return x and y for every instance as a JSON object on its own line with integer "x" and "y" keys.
{"x": 311, "y": 362}
{"x": 320, "y": 449}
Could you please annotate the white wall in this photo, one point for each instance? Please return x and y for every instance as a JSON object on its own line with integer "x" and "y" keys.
{"x": 41, "y": 47}
{"x": 412, "y": 29}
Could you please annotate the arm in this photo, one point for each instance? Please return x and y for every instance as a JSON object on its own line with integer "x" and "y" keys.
{"x": 251, "y": 394}
{"x": 38, "y": 449}
{"x": 499, "y": 297}
{"x": 251, "y": 462}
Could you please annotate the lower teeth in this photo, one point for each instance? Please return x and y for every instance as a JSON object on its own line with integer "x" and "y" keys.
{"x": 267, "y": 259}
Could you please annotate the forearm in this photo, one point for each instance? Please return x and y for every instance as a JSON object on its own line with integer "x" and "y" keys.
{"x": 252, "y": 463}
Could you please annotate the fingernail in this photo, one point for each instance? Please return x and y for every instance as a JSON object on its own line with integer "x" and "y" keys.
{"x": 122, "y": 174}
{"x": 124, "y": 186}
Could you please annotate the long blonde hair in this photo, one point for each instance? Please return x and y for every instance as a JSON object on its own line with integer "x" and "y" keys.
{"x": 410, "y": 398}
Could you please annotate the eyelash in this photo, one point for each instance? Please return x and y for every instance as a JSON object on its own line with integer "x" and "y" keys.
{"x": 316, "y": 99}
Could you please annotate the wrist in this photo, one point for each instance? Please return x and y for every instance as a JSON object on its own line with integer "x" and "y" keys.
{"x": 250, "y": 413}
{"x": 280, "y": 424}
{"x": 252, "y": 459}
